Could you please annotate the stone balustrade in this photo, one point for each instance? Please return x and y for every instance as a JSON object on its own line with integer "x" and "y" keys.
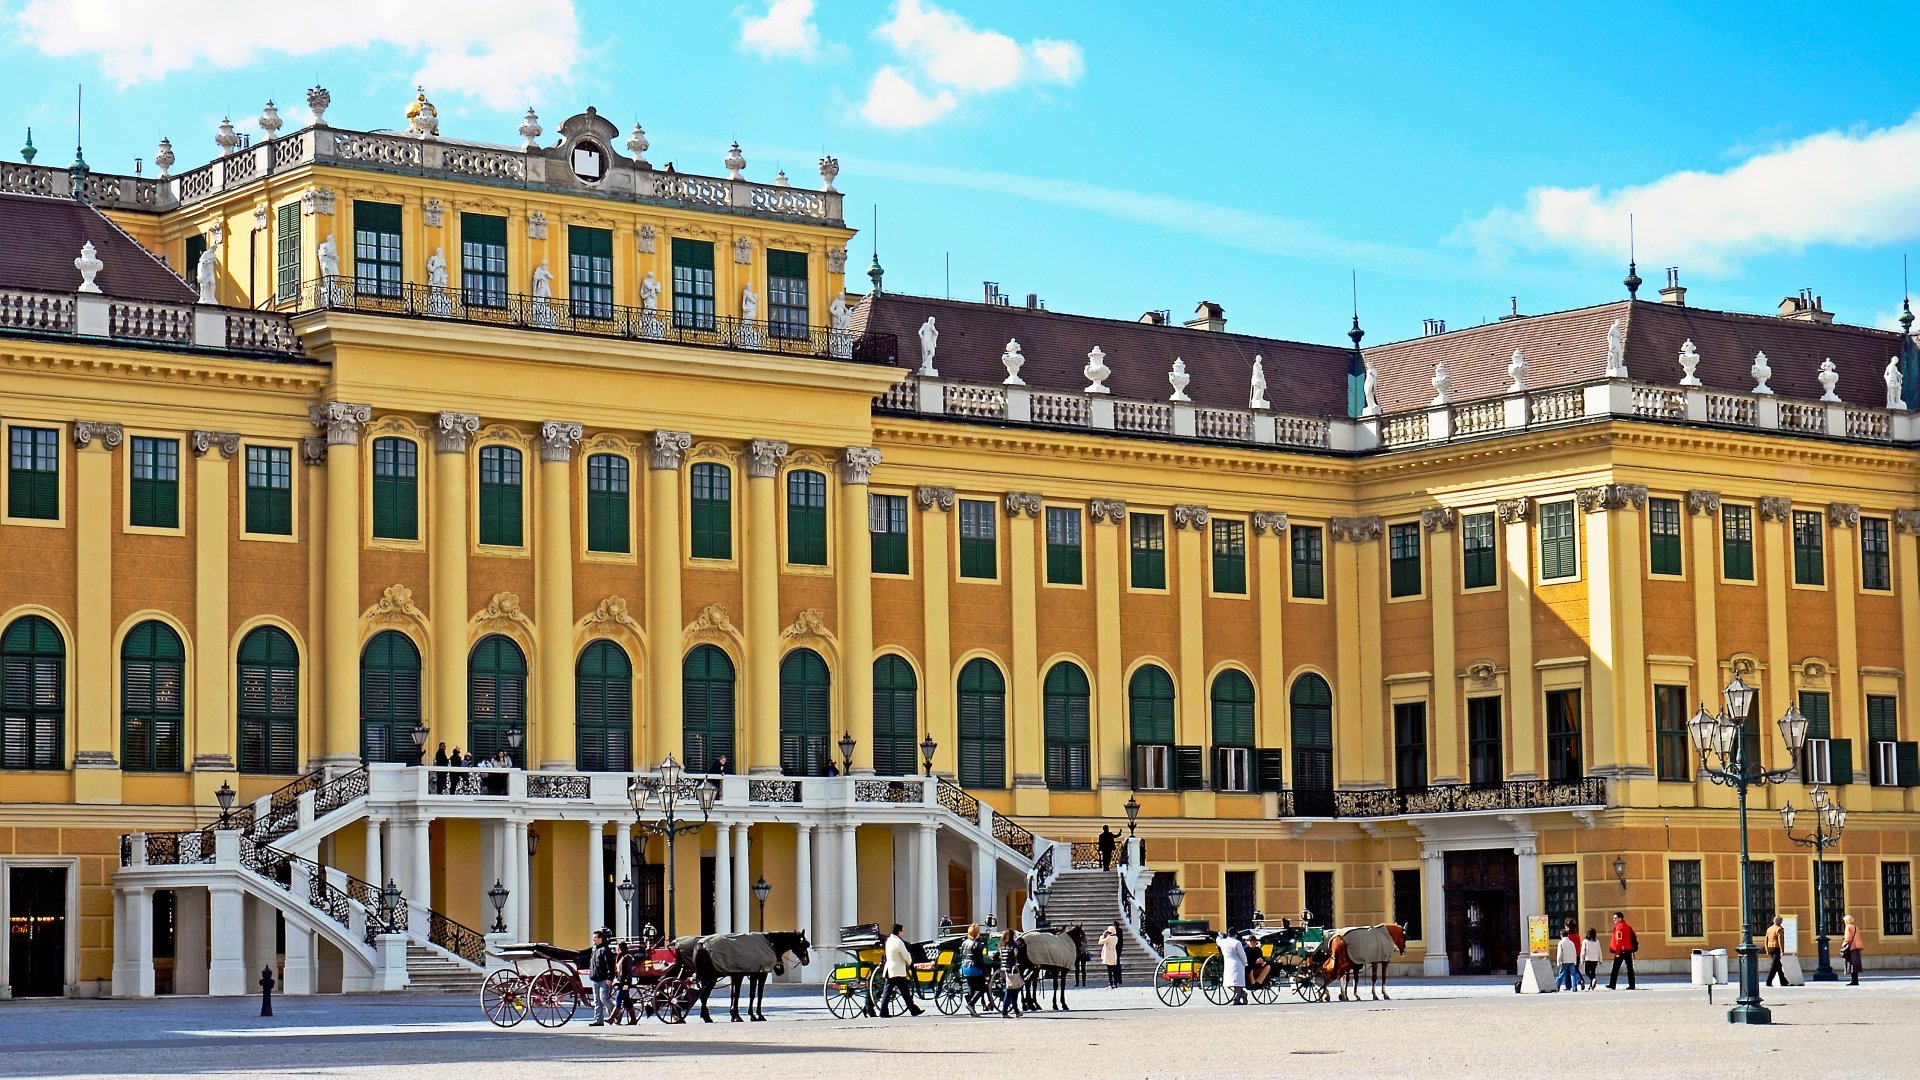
{"x": 156, "y": 322}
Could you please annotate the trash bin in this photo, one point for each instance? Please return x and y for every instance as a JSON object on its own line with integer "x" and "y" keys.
{"x": 1719, "y": 966}
{"x": 1703, "y": 968}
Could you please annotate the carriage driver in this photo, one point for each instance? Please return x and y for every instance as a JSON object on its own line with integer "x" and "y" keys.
{"x": 602, "y": 969}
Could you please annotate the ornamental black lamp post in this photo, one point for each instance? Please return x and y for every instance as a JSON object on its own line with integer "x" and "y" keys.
{"x": 846, "y": 753}
{"x": 1720, "y": 738}
{"x": 1133, "y": 813}
{"x": 760, "y": 891}
{"x": 225, "y": 798}
{"x": 498, "y": 895}
{"x": 927, "y": 747}
{"x": 392, "y": 909}
{"x": 668, "y": 789}
{"x": 515, "y": 737}
{"x": 626, "y": 889}
{"x": 1041, "y": 894}
{"x": 419, "y": 734}
{"x": 1829, "y": 818}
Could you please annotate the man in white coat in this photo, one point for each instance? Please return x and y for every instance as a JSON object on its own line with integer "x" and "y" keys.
{"x": 1234, "y": 957}
{"x": 899, "y": 971}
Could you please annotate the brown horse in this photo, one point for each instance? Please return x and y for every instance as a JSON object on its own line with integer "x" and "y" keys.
{"x": 1364, "y": 946}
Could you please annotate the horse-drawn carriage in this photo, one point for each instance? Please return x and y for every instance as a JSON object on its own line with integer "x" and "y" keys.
{"x": 1278, "y": 957}
{"x": 550, "y": 984}
{"x": 858, "y": 984}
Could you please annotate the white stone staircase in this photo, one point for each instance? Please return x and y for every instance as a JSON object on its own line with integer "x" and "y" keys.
{"x": 1092, "y": 899}
{"x": 434, "y": 971}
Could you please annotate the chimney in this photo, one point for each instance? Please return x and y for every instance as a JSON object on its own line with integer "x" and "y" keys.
{"x": 1432, "y": 327}
{"x": 1675, "y": 293}
{"x": 1157, "y": 317}
{"x": 1208, "y": 316}
{"x": 1513, "y": 312}
{"x": 992, "y": 294}
{"x": 1033, "y": 301}
{"x": 1805, "y": 308}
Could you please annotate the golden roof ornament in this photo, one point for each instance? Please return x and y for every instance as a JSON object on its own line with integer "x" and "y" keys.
{"x": 422, "y": 118}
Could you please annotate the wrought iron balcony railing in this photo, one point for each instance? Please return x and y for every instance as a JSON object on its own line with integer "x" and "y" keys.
{"x": 1446, "y": 799}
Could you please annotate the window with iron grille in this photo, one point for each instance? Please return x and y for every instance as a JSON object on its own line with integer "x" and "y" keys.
{"x": 979, "y": 544}
{"x": 1149, "y": 550}
{"x": 396, "y": 489}
{"x": 1683, "y": 899}
{"x": 1564, "y": 760}
{"x": 1403, "y": 559}
{"x": 1233, "y": 731}
{"x": 500, "y": 504}
{"x": 983, "y": 725}
{"x": 1896, "y": 899}
{"x": 896, "y": 726}
{"x": 806, "y": 695}
{"x": 608, "y": 516}
{"x": 1809, "y": 548}
{"x": 153, "y": 489}
{"x": 1560, "y": 888}
{"x": 483, "y": 260}
{"x": 269, "y": 703}
{"x": 1229, "y": 556}
{"x": 1479, "y": 555}
{"x": 270, "y": 490}
{"x": 1736, "y": 542}
{"x": 590, "y": 272}
{"x": 286, "y": 253}
{"x": 1309, "y": 564}
{"x": 1663, "y": 536}
{"x": 806, "y": 518}
{"x": 389, "y": 699}
{"x": 787, "y": 294}
{"x": 706, "y": 708}
{"x": 1150, "y": 720}
{"x": 1069, "y": 744}
{"x": 603, "y": 704}
{"x": 887, "y": 528}
{"x": 1876, "y": 569}
{"x": 1672, "y": 747}
{"x": 33, "y": 473}
{"x": 1407, "y": 902}
{"x": 33, "y": 695}
{"x": 497, "y": 699}
{"x": 377, "y": 267}
{"x": 1761, "y": 891}
{"x": 153, "y": 709}
{"x": 693, "y": 284}
{"x": 1559, "y": 548}
{"x": 1833, "y": 896}
{"x": 1486, "y": 758}
{"x": 1063, "y": 545}
{"x": 1410, "y": 745}
{"x": 712, "y": 511}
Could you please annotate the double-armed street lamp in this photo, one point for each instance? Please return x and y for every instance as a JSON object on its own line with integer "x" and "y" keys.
{"x": 668, "y": 790}
{"x": 1829, "y": 818}
{"x": 1722, "y": 739}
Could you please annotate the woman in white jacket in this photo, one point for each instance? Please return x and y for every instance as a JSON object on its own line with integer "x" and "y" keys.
{"x": 1590, "y": 958}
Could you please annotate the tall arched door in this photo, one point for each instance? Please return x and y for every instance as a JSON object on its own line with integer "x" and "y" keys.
{"x": 806, "y": 714}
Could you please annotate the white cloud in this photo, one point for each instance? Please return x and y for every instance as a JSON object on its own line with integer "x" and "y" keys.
{"x": 501, "y": 51}
{"x": 785, "y": 30}
{"x": 946, "y": 51}
{"x": 1855, "y": 189}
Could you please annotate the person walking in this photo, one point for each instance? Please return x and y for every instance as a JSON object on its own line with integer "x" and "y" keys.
{"x": 899, "y": 972}
{"x": 1108, "y": 840}
{"x": 1233, "y": 959}
{"x": 1010, "y": 971}
{"x": 1625, "y": 943}
{"x": 1850, "y": 949}
{"x": 1110, "y": 954}
{"x": 1776, "y": 945}
{"x": 1568, "y": 957}
{"x": 1590, "y": 958}
{"x": 602, "y": 969}
{"x": 973, "y": 968}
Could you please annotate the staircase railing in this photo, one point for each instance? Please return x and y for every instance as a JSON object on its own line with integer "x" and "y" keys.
{"x": 462, "y": 941}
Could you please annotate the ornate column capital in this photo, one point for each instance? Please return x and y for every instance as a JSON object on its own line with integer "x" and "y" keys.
{"x": 313, "y": 451}
{"x": 342, "y": 419}
{"x": 451, "y": 430}
{"x": 665, "y": 447}
{"x": 1270, "y": 521}
{"x": 1907, "y": 521}
{"x": 1843, "y": 515}
{"x": 1703, "y": 502}
{"x": 1356, "y": 530}
{"x": 558, "y": 438}
{"x": 1775, "y": 508}
{"x": 1189, "y": 516}
{"x": 84, "y": 432}
{"x": 1513, "y": 511}
{"x": 1594, "y": 500}
{"x": 227, "y": 441}
{"x": 1023, "y": 502}
{"x": 1438, "y": 518}
{"x": 856, "y": 464}
{"x": 764, "y": 457}
{"x": 931, "y": 497}
{"x": 1114, "y": 510}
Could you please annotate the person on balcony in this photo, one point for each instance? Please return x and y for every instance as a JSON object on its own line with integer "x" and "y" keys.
{"x": 1108, "y": 841}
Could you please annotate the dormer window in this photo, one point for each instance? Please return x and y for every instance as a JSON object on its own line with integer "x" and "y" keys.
{"x": 589, "y": 163}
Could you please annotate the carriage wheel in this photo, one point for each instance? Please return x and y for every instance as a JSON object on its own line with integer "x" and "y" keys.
{"x": 876, "y": 989}
{"x": 1267, "y": 993}
{"x": 503, "y": 997}
{"x": 1303, "y": 984}
{"x": 551, "y": 999}
{"x": 675, "y": 1002}
{"x": 951, "y": 994}
{"x": 845, "y": 998}
{"x": 1213, "y": 980}
{"x": 1170, "y": 991}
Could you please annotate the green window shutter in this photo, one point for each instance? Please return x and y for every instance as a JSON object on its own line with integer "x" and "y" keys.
{"x": 1233, "y": 718}
{"x": 1270, "y": 765}
{"x": 1883, "y": 718}
{"x": 153, "y": 489}
{"x": 1663, "y": 536}
{"x": 152, "y": 699}
{"x": 1068, "y": 728}
{"x": 396, "y": 489}
{"x": 1736, "y": 542}
{"x": 1403, "y": 559}
{"x": 500, "y": 479}
{"x": 1809, "y": 548}
{"x": 1189, "y": 768}
{"x": 270, "y": 490}
{"x": 806, "y": 518}
{"x": 805, "y": 706}
{"x": 607, "y": 494}
{"x": 711, "y": 506}
{"x": 1230, "y": 557}
{"x": 390, "y": 699}
{"x": 1479, "y": 568}
{"x": 1309, "y": 567}
{"x": 1841, "y": 761}
{"x": 896, "y": 727}
{"x": 1148, "y": 544}
{"x": 887, "y": 533}
{"x": 33, "y": 692}
{"x": 286, "y": 252}
{"x": 33, "y": 474}
{"x": 1908, "y": 754}
{"x": 1559, "y": 551}
{"x": 1876, "y": 570}
{"x": 1063, "y": 545}
{"x": 1150, "y": 707}
{"x": 983, "y": 725}
{"x": 603, "y": 709}
{"x": 707, "y": 708}
{"x": 496, "y": 698}
{"x": 268, "y": 711}
{"x": 979, "y": 539}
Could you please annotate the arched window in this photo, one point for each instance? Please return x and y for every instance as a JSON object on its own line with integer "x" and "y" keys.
{"x": 1233, "y": 739}
{"x": 1150, "y": 718}
{"x": 153, "y": 699}
{"x": 389, "y": 699}
{"x": 269, "y": 703}
{"x": 497, "y": 698}
{"x": 33, "y": 689}
{"x": 603, "y": 709}
{"x": 806, "y": 694}
{"x": 983, "y": 725}
{"x": 706, "y": 709}
{"x": 1069, "y": 756}
{"x": 1312, "y": 706}
{"x": 396, "y": 492}
{"x": 896, "y": 726}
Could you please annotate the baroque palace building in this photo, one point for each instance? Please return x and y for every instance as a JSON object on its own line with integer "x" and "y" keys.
{"x": 350, "y": 447}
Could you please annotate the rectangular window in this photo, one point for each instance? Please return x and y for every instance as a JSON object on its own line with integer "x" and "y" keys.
{"x": 153, "y": 493}
{"x": 1760, "y": 889}
{"x": 1736, "y": 542}
{"x": 607, "y": 494}
{"x": 1403, "y": 559}
{"x": 376, "y": 249}
{"x": 500, "y": 496}
{"x": 33, "y": 473}
{"x": 1242, "y": 898}
{"x": 1683, "y": 898}
{"x": 483, "y": 260}
{"x": 590, "y": 272}
{"x": 1832, "y": 874}
{"x": 1155, "y": 766}
{"x": 190, "y": 270}
{"x": 1316, "y": 887}
{"x": 1559, "y": 550}
{"x": 1564, "y": 761}
{"x": 1560, "y": 886}
{"x": 787, "y": 294}
{"x": 1149, "y": 550}
{"x": 1230, "y": 557}
{"x": 396, "y": 489}
{"x": 286, "y": 253}
{"x": 1672, "y": 746}
{"x": 1486, "y": 761}
{"x": 979, "y": 539}
{"x": 712, "y": 511}
{"x": 1407, "y": 902}
{"x": 1479, "y": 557}
{"x": 1064, "y": 564}
{"x": 1234, "y": 771}
{"x": 1309, "y": 562}
{"x": 1663, "y": 536}
{"x": 1883, "y": 729}
{"x": 1809, "y": 548}
{"x": 1876, "y": 569}
{"x": 693, "y": 284}
{"x": 1896, "y": 899}
{"x": 1410, "y": 745}
{"x": 806, "y": 518}
{"x": 887, "y": 522}
{"x": 270, "y": 490}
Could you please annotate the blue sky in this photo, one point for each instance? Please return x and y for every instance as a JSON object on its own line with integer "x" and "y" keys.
{"x": 1118, "y": 157}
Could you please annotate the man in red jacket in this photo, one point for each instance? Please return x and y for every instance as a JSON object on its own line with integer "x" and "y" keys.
{"x": 1625, "y": 944}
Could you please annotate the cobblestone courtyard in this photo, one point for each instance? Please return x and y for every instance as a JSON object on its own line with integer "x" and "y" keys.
{"x": 1665, "y": 1029}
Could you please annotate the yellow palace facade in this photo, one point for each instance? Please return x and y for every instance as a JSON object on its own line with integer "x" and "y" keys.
{"x": 545, "y": 455}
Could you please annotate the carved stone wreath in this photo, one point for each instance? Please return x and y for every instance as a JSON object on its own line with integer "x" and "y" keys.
{"x": 395, "y": 605}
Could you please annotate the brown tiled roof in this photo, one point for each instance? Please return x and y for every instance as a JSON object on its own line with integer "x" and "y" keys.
{"x": 1570, "y": 347}
{"x": 40, "y": 236}
{"x": 1301, "y": 378}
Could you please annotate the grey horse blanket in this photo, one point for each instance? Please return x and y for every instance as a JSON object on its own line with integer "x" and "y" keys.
{"x": 735, "y": 954}
{"x": 1368, "y": 944}
{"x": 1050, "y": 950}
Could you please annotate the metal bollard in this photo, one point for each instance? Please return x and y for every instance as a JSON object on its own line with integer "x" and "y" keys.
{"x": 266, "y": 990}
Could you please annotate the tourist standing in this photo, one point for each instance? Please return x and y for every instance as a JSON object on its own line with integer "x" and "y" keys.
{"x": 1110, "y": 954}
{"x": 1776, "y": 945}
{"x": 973, "y": 968}
{"x": 1010, "y": 971}
{"x": 602, "y": 969}
{"x": 1108, "y": 840}
{"x": 1590, "y": 958}
{"x": 899, "y": 972}
{"x": 1568, "y": 958}
{"x": 1625, "y": 943}
{"x": 1850, "y": 949}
